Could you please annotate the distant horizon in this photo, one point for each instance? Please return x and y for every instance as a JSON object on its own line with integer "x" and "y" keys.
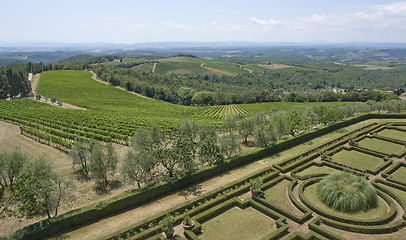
{"x": 134, "y": 22}
{"x": 173, "y": 44}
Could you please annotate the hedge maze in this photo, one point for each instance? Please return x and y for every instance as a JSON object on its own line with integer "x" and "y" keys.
{"x": 288, "y": 207}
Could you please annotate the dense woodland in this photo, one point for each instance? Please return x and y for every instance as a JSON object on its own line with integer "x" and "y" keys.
{"x": 290, "y": 86}
{"x": 313, "y": 77}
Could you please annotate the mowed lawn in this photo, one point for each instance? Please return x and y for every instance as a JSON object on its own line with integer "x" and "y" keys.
{"x": 393, "y": 133}
{"x": 278, "y": 195}
{"x": 357, "y": 160}
{"x": 317, "y": 170}
{"x": 237, "y": 223}
{"x": 400, "y": 175}
{"x": 381, "y": 146}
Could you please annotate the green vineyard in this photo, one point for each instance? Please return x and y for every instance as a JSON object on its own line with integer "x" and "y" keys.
{"x": 225, "y": 111}
{"x": 112, "y": 115}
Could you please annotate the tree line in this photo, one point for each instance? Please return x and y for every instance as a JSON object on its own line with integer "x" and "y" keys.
{"x": 289, "y": 86}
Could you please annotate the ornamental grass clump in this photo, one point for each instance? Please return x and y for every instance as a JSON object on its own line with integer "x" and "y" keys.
{"x": 347, "y": 193}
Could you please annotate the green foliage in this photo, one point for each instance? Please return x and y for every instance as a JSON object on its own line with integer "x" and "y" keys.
{"x": 209, "y": 152}
{"x": 262, "y": 135}
{"x": 229, "y": 145}
{"x": 246, "y": 128}
{"x": 183, "y": 152}
{"x": 12, "y": 165}
{"x": 79, "y": 155}
{"x": 347, "y": 193}
{"x": 256, "y": 184}
{"x": 102, "y": 165}
{"x": 293, "y": 122}
{"x": 167, "y": 223}
{"x": 37, "y": 191}
{"x": 138, "y": 167}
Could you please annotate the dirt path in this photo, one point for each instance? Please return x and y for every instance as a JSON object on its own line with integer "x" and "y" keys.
{"x": 153, "y": 68}
{"x": 216, "y": 70}
{"x": 125, "y": 219}
{"x": 34, "y": 83}
{"x": 250, "y": 71}
{"x": 94, "y": 77}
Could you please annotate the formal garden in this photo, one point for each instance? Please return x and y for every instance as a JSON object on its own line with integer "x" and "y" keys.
{"x": 350, "y": 186}
{"x": 354, "y": 184}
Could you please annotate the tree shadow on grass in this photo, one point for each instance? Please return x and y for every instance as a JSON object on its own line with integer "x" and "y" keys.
{"x": 195, "y": 190}
{"x": 81, "y": 176}
{"x": 115, "y": 184}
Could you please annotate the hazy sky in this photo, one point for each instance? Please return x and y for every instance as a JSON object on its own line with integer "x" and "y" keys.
{"x": 125, "y": 21}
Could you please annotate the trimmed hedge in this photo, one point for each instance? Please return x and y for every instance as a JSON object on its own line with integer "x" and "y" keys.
{"x": 388, "y": 173}
{"x": 198, "y": 205}
{"x": 293, "y": 162}
{"x": 330, "y": 164}
{"x": 132, "y": 198}
{"x": 309, "y": 236}
{"x": 375, "y": 171}
{"x": 299, "y": 219}
{"x": 355, "y": 223}
{"x": 394, "y": 196}
{"x": 282, "y": 227}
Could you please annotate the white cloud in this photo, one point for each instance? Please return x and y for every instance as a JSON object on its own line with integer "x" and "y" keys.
{"x": 269, "y": 22}
{"x": 371, "y": 18}
{"x": 398, "y": 8}
{"x": 175, "y": 25}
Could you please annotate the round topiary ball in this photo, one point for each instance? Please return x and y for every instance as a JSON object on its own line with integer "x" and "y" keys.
{"x": 347, "y": 193}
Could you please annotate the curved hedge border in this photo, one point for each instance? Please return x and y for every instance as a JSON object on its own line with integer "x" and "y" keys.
{"x": 402, "y": 202}
{"x": 355, "y": 223}
{"x": 132, "y": 198}
{"x": 387, "y": 228}
{"x": 282, "y": 227}
{"x": 299, "y": 219}
{"x": 329, "y": 164}
{"x": 194, "y": 206}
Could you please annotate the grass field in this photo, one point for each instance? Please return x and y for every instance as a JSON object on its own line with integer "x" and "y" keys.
{"x": 194, "y": 66}
{"x": 146, "y": 67}
{"x": 316, "y": 170}
{"x": 135, "y": 60}
{"x": 357, "y": 160}
{"x": 400, "y": 175}
{"x": 185, "y": 68}
{"x": 381, "y": 146}
{"x": 392, "y": 133}
{"x": 228, "y": 225}
{"x": 269, "y": 106}
{"x": 278, "y": 196}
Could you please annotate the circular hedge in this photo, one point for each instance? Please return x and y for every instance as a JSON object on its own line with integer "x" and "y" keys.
{"x": 347, "y": 193}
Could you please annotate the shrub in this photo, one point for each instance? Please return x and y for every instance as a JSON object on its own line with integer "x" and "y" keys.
{"x": 347, "y": 193}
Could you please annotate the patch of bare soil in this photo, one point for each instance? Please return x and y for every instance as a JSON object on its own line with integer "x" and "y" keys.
{"x": 274, "y": 66}
{"x": 82, "y": 193}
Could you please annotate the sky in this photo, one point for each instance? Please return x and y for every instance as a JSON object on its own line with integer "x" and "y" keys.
{"x": 134, "y": 21}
